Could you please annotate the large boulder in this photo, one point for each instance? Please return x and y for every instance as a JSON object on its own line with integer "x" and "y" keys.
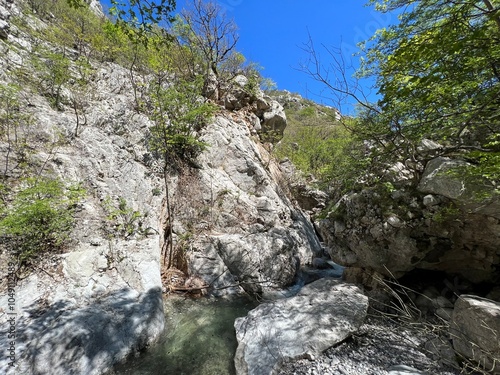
{"x": 273, "y": 122}
{"x": 475, "y": 330}
{"x": 96, "y": 7}
{"x": 249, "y": 233}
{"x": 441, "y": 178}
{"x": 321, "y": 315}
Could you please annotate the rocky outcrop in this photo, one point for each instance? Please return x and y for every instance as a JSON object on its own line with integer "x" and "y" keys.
{"x": 96, "y": 7}
{"x": 102, "y": 300}
{"x": 475, "y": 331}
{"x": 81, "y": 311}
{"x": 321, "y": 315}
{"x": 444, "y": 226}
{"x": 247, "y": 231}
{"x": 270, "y": 117}
{"x": 304, "y": 195}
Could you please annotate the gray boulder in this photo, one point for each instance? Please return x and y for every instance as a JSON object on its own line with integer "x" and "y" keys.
{"x": 321, "y": 315}
{"x": 4, "y": 29}
{"x": 4, "y": 21}
{"x": 473, "y": 196}
{"x": 273, "y": 122}
{"x": 475, "y": 330}
{"x": 435, "y": 228}
{"x": 96, "y": 7}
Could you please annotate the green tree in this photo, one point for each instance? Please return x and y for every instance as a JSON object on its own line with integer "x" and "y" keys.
{"x": 55, "y": 73}
{"x": 320, "y": 145}
{"x": 437, "y": 72}
{"x": 179, "y": 112}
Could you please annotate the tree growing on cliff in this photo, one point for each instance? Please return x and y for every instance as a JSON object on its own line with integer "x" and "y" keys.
{"x": 205, "y": 29}
{"x": 178, "y": 112}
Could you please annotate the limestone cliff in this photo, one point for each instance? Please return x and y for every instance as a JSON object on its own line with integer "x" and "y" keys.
{"x": 82, "y": 309}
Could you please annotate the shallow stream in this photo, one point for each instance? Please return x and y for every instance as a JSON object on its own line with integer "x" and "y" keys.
{"x": 199, "y": 339}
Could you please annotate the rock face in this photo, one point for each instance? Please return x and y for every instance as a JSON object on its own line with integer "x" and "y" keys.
{"x": 81, "y": 311}
{"x": 4, "y": 19}
{"x": 270, "y": 117}
{"x": 475, "y": 330}
{"x": 438, "y": 180}
{"x": 250, "y": 234}
{"x": 440, "y": 227}
{"x": 319, "y": 316}
{"x": 101, "y": 300}
{"x": 64, "y": 338}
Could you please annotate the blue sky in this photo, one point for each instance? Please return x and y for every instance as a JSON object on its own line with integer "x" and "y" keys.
{"x": 273, "y": 31}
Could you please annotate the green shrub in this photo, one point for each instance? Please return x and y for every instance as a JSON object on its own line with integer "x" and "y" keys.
{"x": 40, "y": 217}
{"x": 123, "y": 220}
{"x": 319, "y": 145}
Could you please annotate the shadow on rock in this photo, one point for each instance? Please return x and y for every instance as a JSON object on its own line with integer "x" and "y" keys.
{"x": 64, "y": 339}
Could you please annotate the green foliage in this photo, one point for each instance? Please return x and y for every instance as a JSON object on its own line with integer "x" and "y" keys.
{"x": 437, "y": 71}
{"x": 446, "y": 214}
{"x": 178, "y": 112}
{"x": 40, "y": 7}
{"x": 74, "y": 27}
{"x": 40, "y": 217}
{"x": 319, "y": 145}
{"x": 54, "y": 73}
{"x": 306, "y": 112}
{"x": 123, "y": 220}
{"x": 252, "y": 71}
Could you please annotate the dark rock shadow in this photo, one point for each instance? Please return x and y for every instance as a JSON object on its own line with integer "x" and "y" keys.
{"x": 66, "y": 339}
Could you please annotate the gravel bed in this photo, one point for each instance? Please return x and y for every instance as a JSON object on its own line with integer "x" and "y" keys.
{"x": 381, "y": 346}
